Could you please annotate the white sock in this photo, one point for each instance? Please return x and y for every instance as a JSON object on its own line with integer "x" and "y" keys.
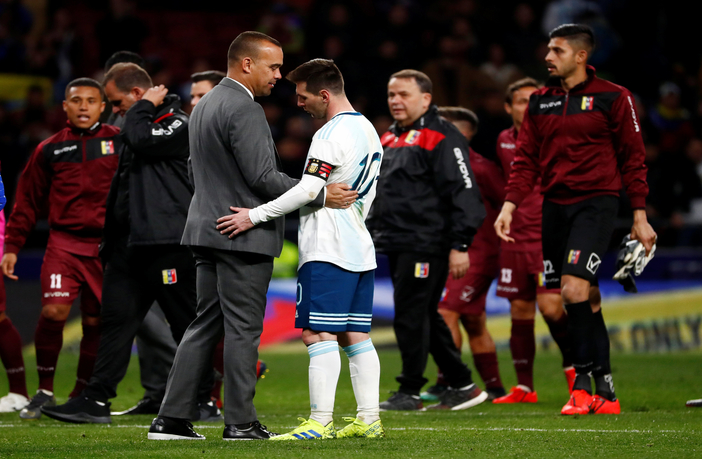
{"x": 365, "y": 379}
{"x": 325, "y": 366}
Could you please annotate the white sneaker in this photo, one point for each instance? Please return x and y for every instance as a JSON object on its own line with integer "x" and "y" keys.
{"x": 13, "y": 402}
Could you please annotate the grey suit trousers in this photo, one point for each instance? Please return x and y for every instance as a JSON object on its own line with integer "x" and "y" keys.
{"x": 231, "y": 300}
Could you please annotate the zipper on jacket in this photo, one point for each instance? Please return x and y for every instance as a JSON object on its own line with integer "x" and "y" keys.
{"x": 565, "y": 110}
{"x": 85, "y": 158}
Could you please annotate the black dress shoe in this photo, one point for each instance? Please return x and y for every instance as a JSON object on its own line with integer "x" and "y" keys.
{"x": 255, "y": 431}
{"x": 143, "y": 406}
{"x": 208, "y": 412}
{"x": 80, "y": 410}
{"x": 172, "y": 429}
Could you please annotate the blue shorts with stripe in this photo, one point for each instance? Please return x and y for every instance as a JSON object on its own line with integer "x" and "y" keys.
{"x": 332, "y": 299}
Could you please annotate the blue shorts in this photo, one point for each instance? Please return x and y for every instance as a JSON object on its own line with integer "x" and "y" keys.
{"x": 332, "y": 299}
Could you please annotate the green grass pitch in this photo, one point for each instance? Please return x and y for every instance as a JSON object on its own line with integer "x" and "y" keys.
{"x": 652, "y": 388}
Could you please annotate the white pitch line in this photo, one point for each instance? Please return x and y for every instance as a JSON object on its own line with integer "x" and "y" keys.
{"x": 434, "y": 429}
{"x": 531, "y": 429}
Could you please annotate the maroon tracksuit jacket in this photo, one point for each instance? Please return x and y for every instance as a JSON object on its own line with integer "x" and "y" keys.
{"x": 582, "y": 143}
{"x": 526, "y": 219}
{"x": 70, "y": 171}
{"x": 485, "y": 249}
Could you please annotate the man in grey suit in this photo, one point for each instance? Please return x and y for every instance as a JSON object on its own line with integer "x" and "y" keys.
{"x": 234, "y": 164}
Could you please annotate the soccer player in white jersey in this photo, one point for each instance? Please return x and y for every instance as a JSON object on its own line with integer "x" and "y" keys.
{"x": 337, "y": 257}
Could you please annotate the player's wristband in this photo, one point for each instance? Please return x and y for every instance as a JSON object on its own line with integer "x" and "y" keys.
{"x": 460, "y": 247}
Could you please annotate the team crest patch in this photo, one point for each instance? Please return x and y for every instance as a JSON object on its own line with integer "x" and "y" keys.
{"x": 573, "y": 257}
{"x": 412, "y": 137}
{"x": 318, "y": 168}
{"x": 593, "y": 263}
{"x": 588, "y": 103}
{"x": 107, "y": 147}
{"x": 169, "y": 276}
{"x": 421, "y": 270}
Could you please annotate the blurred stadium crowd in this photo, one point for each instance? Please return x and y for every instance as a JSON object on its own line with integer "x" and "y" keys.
{"x": 471, "y": 49}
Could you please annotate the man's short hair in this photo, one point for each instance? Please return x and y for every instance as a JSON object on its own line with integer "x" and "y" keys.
{"x": 517, "y": 85}
{"x": 247, "y": 45}
{"x": 319, "y": 74}
{"x": 421, "y": 78}
{"x": 124, "y": 56}
{"x": 213, "y": 76}
{"x": 127, "y": 76}
{"x": 579, "y": 35}
{"x": 80, "y": 82}
{"x": 460, "y": 114}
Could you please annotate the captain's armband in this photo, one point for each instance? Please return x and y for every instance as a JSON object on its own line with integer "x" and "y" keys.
{"x": 318, "y": 168}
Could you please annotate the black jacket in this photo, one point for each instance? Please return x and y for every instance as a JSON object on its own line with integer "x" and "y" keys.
{"x": 154, "y": 161}
{"x": 427, "y": 198}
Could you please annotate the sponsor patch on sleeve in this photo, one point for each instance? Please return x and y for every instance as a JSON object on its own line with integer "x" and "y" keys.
{"x": 318, "y": 168}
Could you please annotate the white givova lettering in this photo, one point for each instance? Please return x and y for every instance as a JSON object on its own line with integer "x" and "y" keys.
{"x": 633, "y": 114}
{"x": 556, "y": 103}
{"x": 506, "y": 275}
{"x": 56, "y": 295}
{"x": 160, "y": 131}
{"x": 65, "y": 149}
{"x": 508, "y": 146}
{"x": 463, "y": 167}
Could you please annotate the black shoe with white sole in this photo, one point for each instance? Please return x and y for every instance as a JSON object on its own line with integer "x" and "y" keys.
{"x": 208, "y": 412}
{"x": 172, "y": 429}
{"x": 80, "y": 410}
{"x": 254, "y": 431}
{"x": 495, "y": 392}
{"x": 143, "y": 406}
{"x": 400, "y": 401}
{"x": 461, "y": 399}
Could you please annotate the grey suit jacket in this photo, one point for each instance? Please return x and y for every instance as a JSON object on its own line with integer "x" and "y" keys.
{"x": 234, "y": 163}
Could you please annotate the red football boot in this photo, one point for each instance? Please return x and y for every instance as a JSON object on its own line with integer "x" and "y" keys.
{"x": 600, "y": 405}
{"x": 517, "y": 395}
{"x": 570, "y": 378}
{"x": 579, "y": 403}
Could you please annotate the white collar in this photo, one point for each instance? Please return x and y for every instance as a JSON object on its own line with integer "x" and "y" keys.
{"x": 245, "y": 88}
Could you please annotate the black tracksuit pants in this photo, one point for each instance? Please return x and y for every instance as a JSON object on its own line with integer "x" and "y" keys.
{"x": 419, "y": 280}
{"x": 134, "y": 278}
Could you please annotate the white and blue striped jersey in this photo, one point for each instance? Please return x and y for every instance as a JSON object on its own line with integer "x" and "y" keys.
{"x": 349, "y": 143}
